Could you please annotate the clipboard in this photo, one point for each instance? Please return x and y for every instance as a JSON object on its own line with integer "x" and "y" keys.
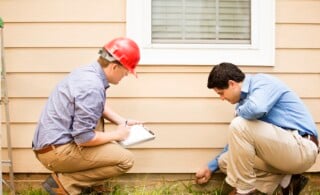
{"x": 138, "y": 134}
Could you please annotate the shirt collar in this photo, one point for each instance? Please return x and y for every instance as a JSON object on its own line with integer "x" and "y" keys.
{"x": 245, "y": 86}
{"x": 100, "y": 71}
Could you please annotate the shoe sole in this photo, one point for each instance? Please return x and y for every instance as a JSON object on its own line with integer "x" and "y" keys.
{"x": 304, "y": 182}
{"x": 48, "y": 189}
{"x": 53, "y": 186}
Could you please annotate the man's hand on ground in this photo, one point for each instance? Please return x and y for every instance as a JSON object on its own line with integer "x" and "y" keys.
{"x": 203, "y": 175}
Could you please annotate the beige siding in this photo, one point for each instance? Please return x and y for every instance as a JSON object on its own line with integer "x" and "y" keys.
{"x": 171, "y": 110}
{"x": 147, "y": 160}
{"x": 49, "y": 40}
{"x": 290, "y": 36}
{"x": 27, "y": 60}
{"x": 130, "y": 86}
{"x": 45, "y": 11}
{"x": 61, "y": 34}
{"x": 298, "y": 11}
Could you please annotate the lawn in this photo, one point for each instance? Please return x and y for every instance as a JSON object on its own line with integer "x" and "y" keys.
{"x": 138, "y": 185}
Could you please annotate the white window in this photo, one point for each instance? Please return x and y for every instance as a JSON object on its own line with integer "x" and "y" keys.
{"x": 203, "y": 32}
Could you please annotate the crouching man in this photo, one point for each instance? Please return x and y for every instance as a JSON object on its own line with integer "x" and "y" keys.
{"x": 66, "y": 141}
{"x": 272, "y": 139}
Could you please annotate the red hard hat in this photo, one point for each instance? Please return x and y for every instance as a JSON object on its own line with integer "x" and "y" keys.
{"x": 124, "y": 50}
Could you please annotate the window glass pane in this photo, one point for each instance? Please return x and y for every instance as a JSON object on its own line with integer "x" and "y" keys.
{"x": 201, "y": 21}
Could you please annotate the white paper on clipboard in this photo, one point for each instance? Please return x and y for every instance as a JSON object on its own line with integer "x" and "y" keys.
{"x": 138, "y": 134}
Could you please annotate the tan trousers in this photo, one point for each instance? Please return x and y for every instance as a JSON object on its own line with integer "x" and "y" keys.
{"x": 261, "y": 154}
{"x": 79, "y": 167}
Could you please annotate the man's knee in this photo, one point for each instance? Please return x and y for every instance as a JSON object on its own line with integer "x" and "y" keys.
{"x": 237, "y": 123}
{"x": 240, "y": 124}
{"x": 127, "y": 162}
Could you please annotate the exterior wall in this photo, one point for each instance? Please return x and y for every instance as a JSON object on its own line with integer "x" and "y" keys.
{"x": 44, "y": 41}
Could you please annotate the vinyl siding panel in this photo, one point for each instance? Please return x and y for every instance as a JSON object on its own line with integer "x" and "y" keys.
{"x": 61, "y": 34}
{"x": 146, "y": 160}
{"x": 63, "y": 11}
{"x": 47, "y": 41}
{"x": 147, "y": 85}
{"x": 298, "y": 11}
{"x": 296, "y": 36}
{"x": 33, "y": 60}
{"x": 172, "y": 110}
{"x": 169, "y": 135}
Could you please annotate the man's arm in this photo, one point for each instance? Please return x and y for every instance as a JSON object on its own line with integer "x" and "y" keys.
{"x": 213, "y": 165}
{"x": 264, "y": 93}
{"x": 104, "y": 137}
{"x": 204, "y": 174}
{"x": 112, "y": 116}
{"x": 115, "y": 118}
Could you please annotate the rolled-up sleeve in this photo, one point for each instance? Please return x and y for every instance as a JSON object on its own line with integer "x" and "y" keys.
{"x": 89, "y": 106}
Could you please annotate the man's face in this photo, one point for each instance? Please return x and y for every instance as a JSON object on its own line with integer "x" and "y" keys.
{"x": 231, "y": 94}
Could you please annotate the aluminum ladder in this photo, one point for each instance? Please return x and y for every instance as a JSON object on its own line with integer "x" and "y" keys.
{"x": 5, "y": 102}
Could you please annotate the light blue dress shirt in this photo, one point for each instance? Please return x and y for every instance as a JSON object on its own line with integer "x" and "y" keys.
{"x": 266, "y": 98}
{"x": 73, "y": 109}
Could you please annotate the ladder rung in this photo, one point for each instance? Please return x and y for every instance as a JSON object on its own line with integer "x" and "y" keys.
{"x": 6, "y": 162}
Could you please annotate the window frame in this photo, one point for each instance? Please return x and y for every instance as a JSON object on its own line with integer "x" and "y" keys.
{"x": 260, "y": 51}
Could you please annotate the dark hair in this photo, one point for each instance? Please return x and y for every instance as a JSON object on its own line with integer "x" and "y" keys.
{"x": 222, "y": 73}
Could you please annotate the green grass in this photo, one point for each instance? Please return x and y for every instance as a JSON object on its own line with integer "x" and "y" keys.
{"x": 30, "y": 191}
{"x": 179, "y": 188}
{"x": 162, "y": 188}
{"x": 165, "y": 187}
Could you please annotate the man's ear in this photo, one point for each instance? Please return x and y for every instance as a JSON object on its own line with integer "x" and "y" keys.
{"x": 113, "y": 65}
{"x": 232, "y": 83}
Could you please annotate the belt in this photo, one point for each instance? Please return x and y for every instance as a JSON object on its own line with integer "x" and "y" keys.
{"x": 47, "y": 149}
{"x": 312, "y": 138}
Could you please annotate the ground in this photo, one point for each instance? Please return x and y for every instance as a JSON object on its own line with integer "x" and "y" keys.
{"x": 154, "y": 184}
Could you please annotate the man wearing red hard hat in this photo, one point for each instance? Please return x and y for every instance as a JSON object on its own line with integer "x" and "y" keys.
{"x": 66, "y": 140}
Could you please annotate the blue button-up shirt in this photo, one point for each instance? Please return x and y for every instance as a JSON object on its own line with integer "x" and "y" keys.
{"x": 73, "y": 109}
{"x": 265, "y": 98}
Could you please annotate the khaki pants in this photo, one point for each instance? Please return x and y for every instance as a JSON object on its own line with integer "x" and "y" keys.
{"x": 79, "y": 167}
{"x": 261, "y": 154}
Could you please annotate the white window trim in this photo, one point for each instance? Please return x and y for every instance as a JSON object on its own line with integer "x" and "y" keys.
{"x": 259, "y": 52}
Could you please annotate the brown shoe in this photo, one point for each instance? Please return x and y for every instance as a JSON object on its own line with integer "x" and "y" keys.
{"x": 296, "y": 185}
{"x": 53, "y": 186}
